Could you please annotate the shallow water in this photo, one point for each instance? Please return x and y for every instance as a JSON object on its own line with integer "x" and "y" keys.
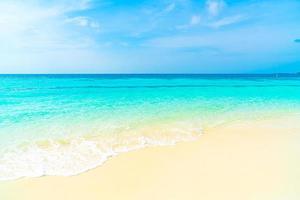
{"x": 66, "y": 124}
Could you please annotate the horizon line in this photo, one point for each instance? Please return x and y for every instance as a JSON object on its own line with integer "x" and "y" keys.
{"x": 278, "y": 73}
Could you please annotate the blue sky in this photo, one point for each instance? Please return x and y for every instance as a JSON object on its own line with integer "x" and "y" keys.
{"x": 162, "y": 36}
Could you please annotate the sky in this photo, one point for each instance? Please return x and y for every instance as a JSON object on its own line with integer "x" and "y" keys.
{"x": 142, "y": 36}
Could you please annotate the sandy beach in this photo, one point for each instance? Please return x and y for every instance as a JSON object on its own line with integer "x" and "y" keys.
{"x": 257, "y": 160}
{"x": 149, "y": 100}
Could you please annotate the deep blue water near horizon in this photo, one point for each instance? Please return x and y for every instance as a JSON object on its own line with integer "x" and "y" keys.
{"x": 65, "y": 124}
{"x": 160, "y": 75}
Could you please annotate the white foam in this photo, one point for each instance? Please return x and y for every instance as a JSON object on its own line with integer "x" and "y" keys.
{"x": 80, "y": 154}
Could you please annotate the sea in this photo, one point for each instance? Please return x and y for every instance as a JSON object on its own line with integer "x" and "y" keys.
{"x": 63, "y": 125}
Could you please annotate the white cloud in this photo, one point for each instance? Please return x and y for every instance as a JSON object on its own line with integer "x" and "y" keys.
{"x": 196, "y": 19}
{"x": 214, "y": 7}
{"x": 79, "y": 21}
{"x": 227, "y": 21}
{"x": 24, "y": 16}
{"x": 33, "y": 25}
{"x": 83, "y": 21}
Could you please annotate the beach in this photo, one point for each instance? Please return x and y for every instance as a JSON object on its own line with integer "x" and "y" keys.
{"x": 149, "y": 100}
{"x": 256, "y": 159}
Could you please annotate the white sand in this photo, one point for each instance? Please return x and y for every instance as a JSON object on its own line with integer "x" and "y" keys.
{"x": 242, "y": 161}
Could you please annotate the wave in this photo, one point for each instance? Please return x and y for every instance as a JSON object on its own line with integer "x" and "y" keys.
{"x": 67, "y": 157}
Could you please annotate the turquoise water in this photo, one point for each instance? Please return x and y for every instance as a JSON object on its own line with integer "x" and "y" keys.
{"x": 66, "y": 124}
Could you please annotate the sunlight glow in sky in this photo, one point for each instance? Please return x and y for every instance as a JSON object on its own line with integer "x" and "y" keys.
{"x": 162, "y": 36}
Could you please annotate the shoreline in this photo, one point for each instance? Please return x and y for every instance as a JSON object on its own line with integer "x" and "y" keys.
{"x": 245, "y": 160}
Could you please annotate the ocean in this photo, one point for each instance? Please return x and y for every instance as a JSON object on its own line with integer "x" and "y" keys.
{"x": 63, "y": 125}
